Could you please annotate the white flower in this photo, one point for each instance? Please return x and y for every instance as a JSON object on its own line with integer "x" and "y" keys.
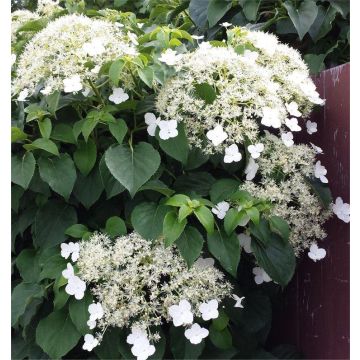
{"x": 311, "y": 127}
{"x": 197, "y": 37}
{"x": 271, "y": 117}
{"x": 245, "y": 242}
{"x": 170, "y": 57}
{"x": 76, "y": 287}
{"x": 317, "y": 149}
{"x": 68, "y": 272}
{"x": 137, "y": 334}
{"x": 205, "y": 45}
{"x": 320, "y": 172}
{"x": 47, "y": 90}
{"x": 168, "y": 129}
{"x": 251, "y": 55}
{"x": 292, "y": 124}
{"x": 70, "y": 248}
{"x": 217, "y": 135}
{"x": 143, "y": 349}
{"x": 238, "y": 300}
{"x": 341, "y": 210}
{"x": 96, "y": 311}
{"x": 91, "y": 324}
{"x": 72, "y": 84}
{"x": 13, "y": 59}
{"x": 255, "y": 150}
{"x": 287, "y": 138}
{"x": 90, "y": 342}
{"x": 95, "y": 47}
{"x": 226, "y": 24}
{"x": 221, "y": 209}
{"x": 202, "y": 263}
{"x": 23, "y": 94}
{"x": 181, "y": 314}
{"x": 316, "y": 253}
{"x": 293, "y": 109}
{"x": 133, "y": 38}
{"x": 251, "y": 169}
{"x": 260, "y": 275}
{"x": 152, "y": 121}
{"x": 118, "y": 96}
{"x": 209, "y": 310}
{"x": 196, "y": 333}
{"x": 232, "y": 154}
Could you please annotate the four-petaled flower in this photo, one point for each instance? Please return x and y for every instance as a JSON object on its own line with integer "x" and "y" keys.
{"x": 292, "y": 124}
{"x": 170, "y": 57}
{"x": 221, "y": 209}
{"x": 217, "y": 135}
{"x": 293, "y": 109}
{"x": 255, "y": 150}
{"x": 72, "y": 249}
{"x": 181, "y": 314}
{"x": 23, "y": 94}
{"x": 153, "y": 122}
{"x": 287, "y": 138}
{"x": 168, "y": 129}
{"x": 96, "y": 311}
{"x": 90, "y": 342}
{"x": 311, "y": 127}
{"x": 260, "y": 275}
{"x": 341, "y": 210}
{"x": 196, "y": 333}
{"x": 209, "y": 310}
{"x": 245, "y": 242}
{"x": 118, "y": 96}
{"x": 72, "y": 84}
{"x": 316, "y": 253}
{"x": 251, "y": 169}
{"x": 271, "y": 117}
{"x": 141, "y": 348}
{"x": 95, "y": 47}
{"x": 232, "y": 154}
{"x": 68, "y": 272}
{"x": 320, "y": 172}
{"x": 238, "y": 300}
{"x": 76, "y": 287}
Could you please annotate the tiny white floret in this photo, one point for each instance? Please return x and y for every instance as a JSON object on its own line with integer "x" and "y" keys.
{"x": 271, "y": 117}
{"x": 293, "y": 109}
{"x": 76, "y": 287}
{"x": 96, "y": 311}
{"x": 170, "y": 57}
{"x": 202, "y": 263}
{"x": 251, "y": 169}
{"x": 72, "y": 84}
{"x": 292, "y": 124}
{"x": 181, "y": 313}
{"x": 238, "y": 300}
{"x": 23, "y": 94}
{"x": 68, "y": 272}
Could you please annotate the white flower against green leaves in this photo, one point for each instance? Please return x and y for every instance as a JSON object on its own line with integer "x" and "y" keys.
{"x": 91, "y": 324}
{"x": 226, "y": 24}
{"x": 90, "y": 342}
{"x": 287, "y": 138}
{"x": 251, "y": 169}
{"x": 72, "y": 84}
{"x": 68, "y": 272}
{"x": 256, "y": 150}
{"x": 311, "y": 127}
{"x": 271, "y": 117}
{"x": 70, "y": 249}
{"x": 251, "y": 55}
{"x": 293, "y": 109}
{"x": 238, "y": 301}
{"x": 196, "y": 334}
{"x": 232, "y": 154}
{"x": 170, "y": 57}
{"x": 118, "y": 96}
{"x": 209, "y": 310}
{"x": 76, "y": 287}
{"x": 168, "y": 129}
{"x": 292, "y": 124}
{"x": 316, "y": 253}
{"x": 260, "y": 275}
{"x": 341, "y": 210}
{"x": 96, "y": 311}
{"x": 181, "y": 314}
{"x": 245, "y": 242}
{"x": 221, "y": 209}
{"x": 217, "y": 135}
{"x": 320, "y": 172}
{"x": 153, "y": 122}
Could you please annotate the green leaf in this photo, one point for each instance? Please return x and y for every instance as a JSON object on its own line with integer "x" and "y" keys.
{"x": 118, "y": 130}
{"x": 196, "y": 158}
{"x": 226, "y": 249}
{"x": 56, "y": 334}
{"x": 279, "y": 226}
{"x": 178, "y": 200}
{"x": 322, "y": 191}
{"x": 51, "y": 222}
{"x": 132, "y": 167}
{"x": 157, "y": 185}
{"x": 233, "y": 219}
{"x": 115, "y": 71}
{"x": 303, "y": 16}
{"x": 276, "y": 258}
{"x": 221, "y": 339}
{"x": 79, "y": 313}
{"x": 221, "y": 322}
{"x": 181, "y": 347}
{"x": 59, "y": 173}
{"x": 184, "y": 212}
{"x": 195, "y": 182}
{"x": 45, "y": 127}
{"x": 85, "y": 156}
{"x": 63, "y": 133}
{"x": 205, "y": 92}
{"x": 17, "y": 134}
{"x": 16, "y": 194}
{"x": 147, "y": 219}
{"x": 89, "y": 124}
{"x": 323, "y": 22}
{"x": 22, "y": 169}
{"x": 250, "y": 8}
{"x": 253, "y": 214}
{"x": 206, "y": 218}
{"x": 52, "y": 102}
{"x": 172, "y": 228}
{"x": 43, "y": 144}
{"x": 222, "y": 189}
{"x": 177, "y": 147}
{"x": 315, "y": 62}
{"x": 61, "y": 297}
{"x": 28, "y": 264}
{"x": 216, "y": 10}
{"x": 198, "y": 12}
{"x": 147, "y": 75}
{"x": 53, "y": 266}
{"x": 115, "y": 226}
{"x": 261, "y": 231}
{"x": 113, "y": 345}
{"x": 34, "y": 112}
{"x": 111, "y": 185}
{"x": 190, "y": 244}
{"x": 21, "y": 296}
{"x": 76, "y": 231}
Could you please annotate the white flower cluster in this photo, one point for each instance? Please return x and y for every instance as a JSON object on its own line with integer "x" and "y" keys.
{"x": 140, "y": 284}
{"x": 68, "y": 53}
{"x": 48, "y": 7}
{"x": 18, "y": 19}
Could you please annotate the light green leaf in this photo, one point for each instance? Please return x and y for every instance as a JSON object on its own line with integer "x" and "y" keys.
{"x": 178, "y": 200}
{"x": 17, "y": 134}
{"x": 22, "y": 169}
{"x": 45, "y": 127}
{"x": 76, "y": 231}
{"x": 190, "y": 244}
{"x": 115, "y": 71}
{"x": 43, "y": 144}
{"x": 233, "y": 218}
{"x": 206, "y": 218}
{"x": 52, "y": 102}
{"x": 85, "y": 156}
{"x": 172, "y": 228}
{"x": 147, "y": 75}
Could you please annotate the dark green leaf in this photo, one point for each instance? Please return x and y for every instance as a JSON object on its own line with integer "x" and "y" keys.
{"x": 221, "y": 339}
{"x": 43, "y": 144}
{"x": 85, "y": 156}
{"x": 76, "y": 231}
{"x": 322, "y": 191}
{"x": 115, "y": 226}
{"x": 181, "y": 347}
{"x": 323, "y": 22}
{"x": 111, "y": 185}
{"x": 250, "y": 8}
{"x": 198, "y": 12}
{"x": 195, "y": 182}
{"x": 196, "y": 158}
{"x": 28, "y": 264}
{"x": 280, "y": 226}
{"x": 52, "y": 102}
{"x": 221, "y": 322}
{"x": 115, "y": 71}
{"x": 157, "y": 185}
{"x": 45, "y": 127}
{"x": 190, "y": 244}
{"x": 233, "y": 219}
{"x": 64, "y": 133}
{"x": 118, "y": 130}
{"x": 79, "y": 313}
{"x": 53, "y": 266}
{"x": 205, "y": 92}
{"x": 216, "y": 10}
{"x": 222, "y": 189}
{"x": 22, "y": 169}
